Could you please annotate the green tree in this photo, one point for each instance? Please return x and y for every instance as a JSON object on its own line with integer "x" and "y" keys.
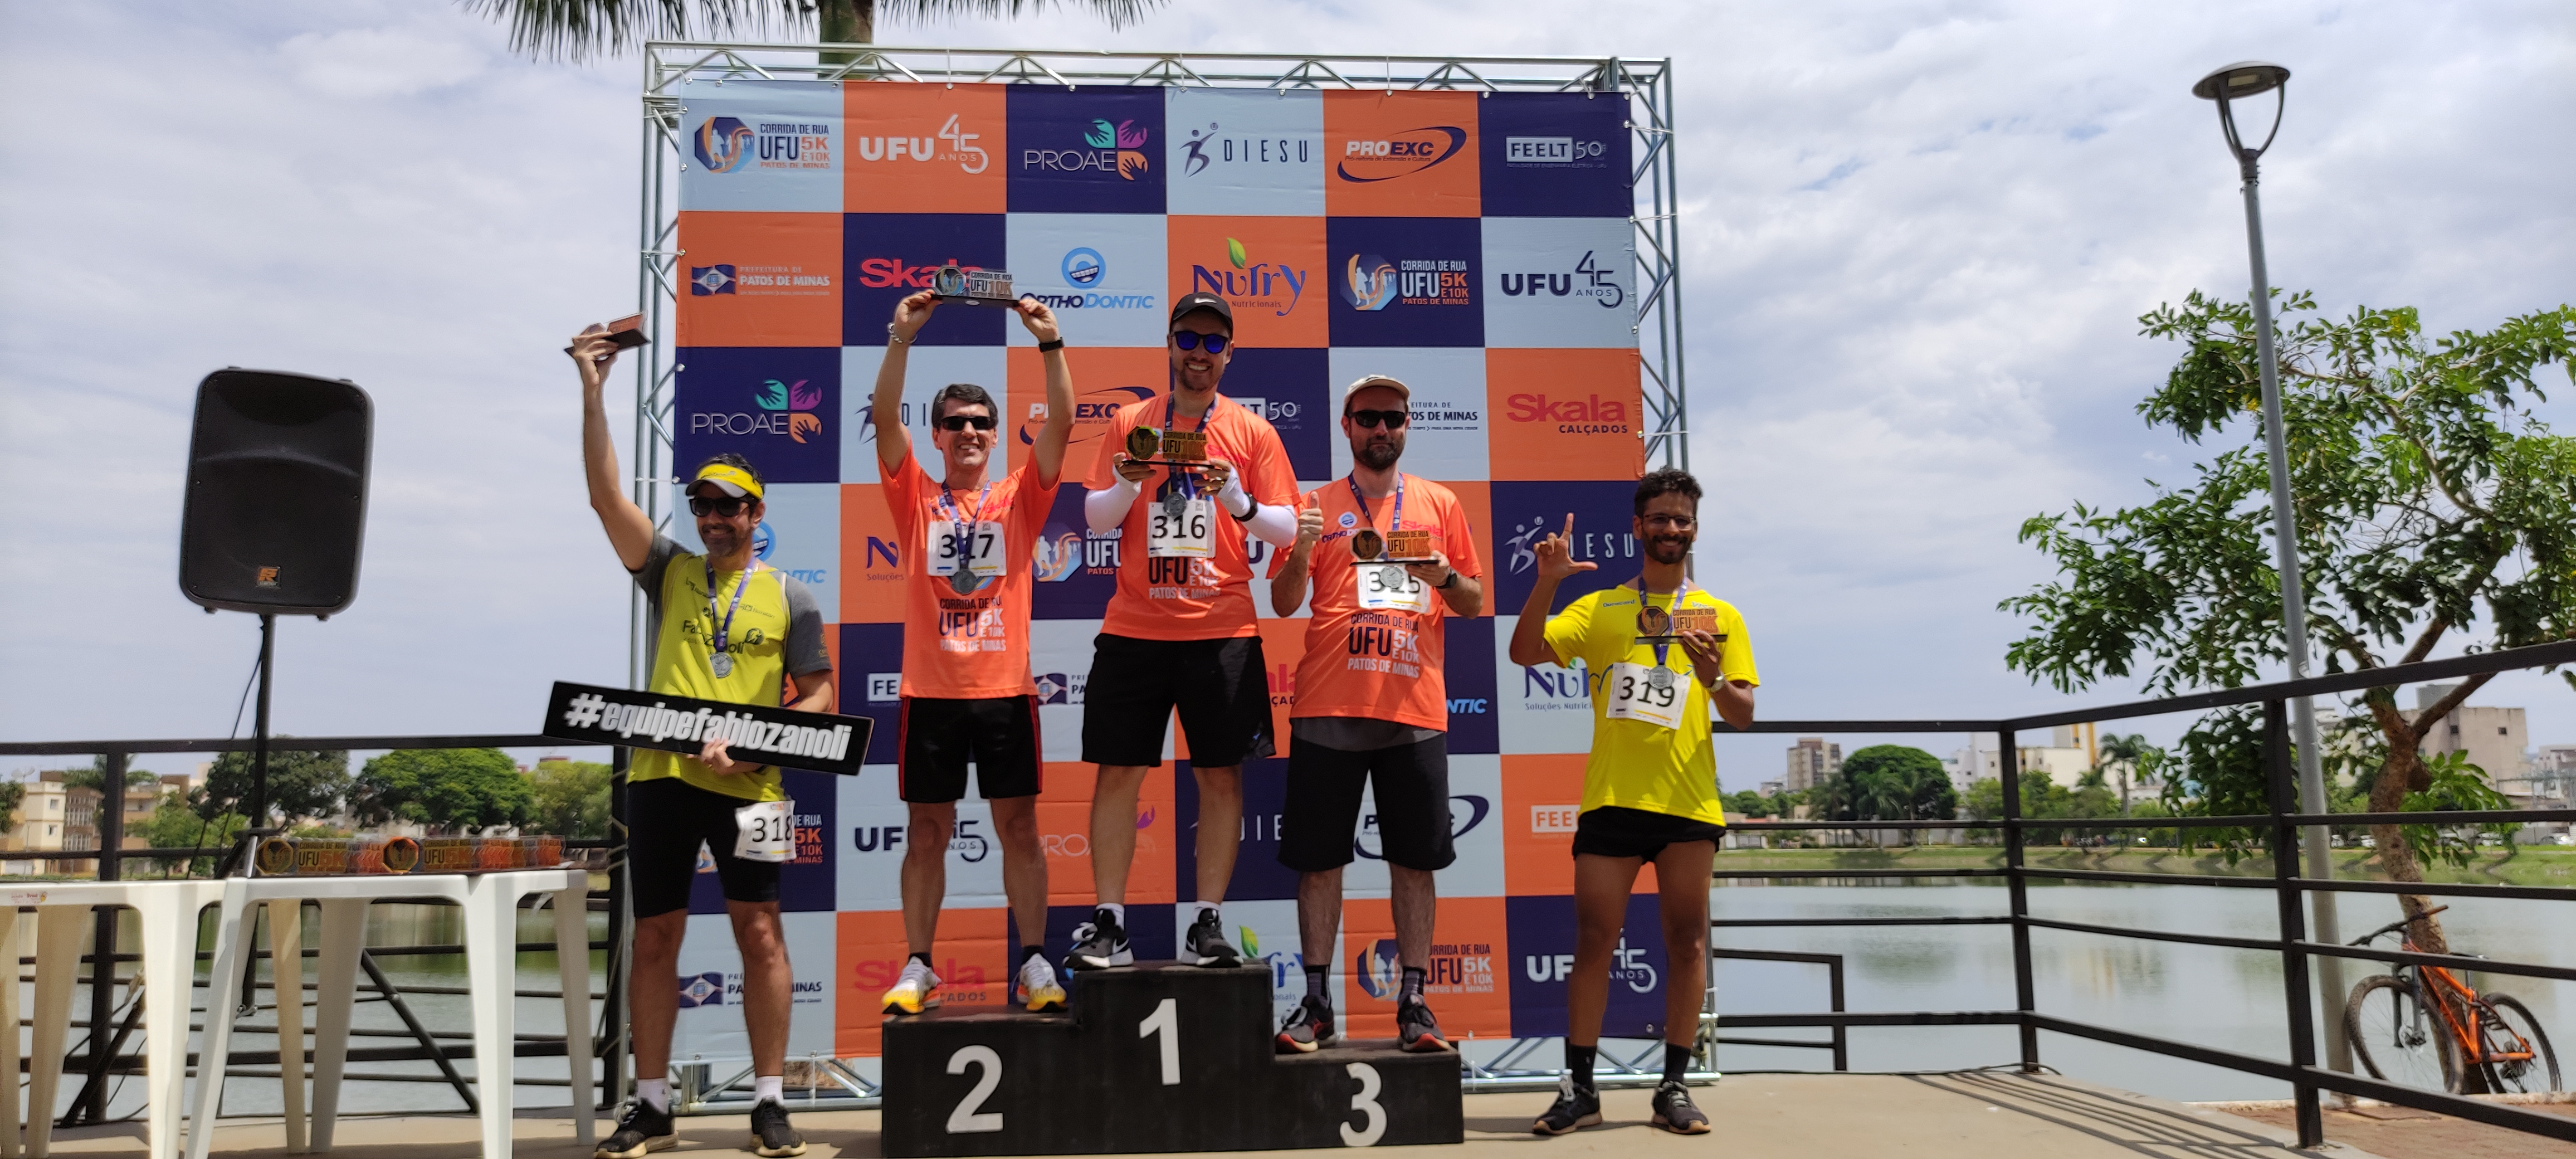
{"x": 2132, "y": 758}
{"x": 300, "y": 784}
{"x": 577, "y": 29}
{"x": 2429, "y": 503}
{"x": 12, "y": 792}
{"x": 1748, "y": 803}
{"x": 442, "y": 788}
{"x": 177, "y": 824}
{"x": 1899, "y": 783}
{"x": 569, "y": 798}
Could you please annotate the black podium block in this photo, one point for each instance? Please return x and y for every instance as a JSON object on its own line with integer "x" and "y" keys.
{"x": 1154, "y": 1057}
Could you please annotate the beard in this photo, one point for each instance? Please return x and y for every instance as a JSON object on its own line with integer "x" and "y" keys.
{"x": 1378, "y": 456}
{"x": 719, "y": 538}
{"x": 1668, "y": 549}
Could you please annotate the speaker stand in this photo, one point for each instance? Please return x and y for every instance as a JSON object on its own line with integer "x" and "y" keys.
{"x": 239, "y": 862}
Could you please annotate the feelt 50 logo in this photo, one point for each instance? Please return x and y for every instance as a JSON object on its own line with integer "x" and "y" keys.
{"x": 1114, "y": 149}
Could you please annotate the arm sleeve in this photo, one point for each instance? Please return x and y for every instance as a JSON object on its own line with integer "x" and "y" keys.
{"x": 1279, "y": 559}
{"x": 805, "y": 652}
{"x": 1275, "y": 524}
{"x": 657, "y": 561}
{"x": 1567, "y": 629}
{"x": 1105, "y": 509}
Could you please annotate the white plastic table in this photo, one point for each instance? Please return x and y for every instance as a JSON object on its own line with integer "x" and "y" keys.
{"x": 165, "y": 975}
{"x": 490, "y": 902}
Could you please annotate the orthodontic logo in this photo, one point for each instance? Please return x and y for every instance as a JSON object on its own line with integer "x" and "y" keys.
{"x": 723, "y": 144}
{"x": 1113, "y": 149}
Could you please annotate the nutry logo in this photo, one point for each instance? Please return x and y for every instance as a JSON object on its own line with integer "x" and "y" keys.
{"x": 1113, "y": 149}
{"x": 724, "y": 144}
{"x": 950, "y": 143}
{"x": 1214, "y": 145}
{"x": 783, "y": 408}
{"x": 1244, "y": 282}
{"x": 1550, "y": 150}
{"x": 1590, "y": 279}
{"x": 1589, "y": 415}
{"x": 1084, "y": 268}
{"x": 1370, "y": 282}
{"x": 1399, "y": 154}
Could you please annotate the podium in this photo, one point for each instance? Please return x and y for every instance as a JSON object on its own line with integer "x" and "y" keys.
{"x": 1152, "y": 1057}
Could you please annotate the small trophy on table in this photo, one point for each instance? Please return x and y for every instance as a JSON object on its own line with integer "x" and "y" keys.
{"x": 955, "y": 283}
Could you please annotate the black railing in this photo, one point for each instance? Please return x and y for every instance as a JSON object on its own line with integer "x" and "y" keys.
{"x": 2289, "y": 884}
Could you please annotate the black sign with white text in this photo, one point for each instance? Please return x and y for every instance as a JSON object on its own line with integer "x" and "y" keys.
{"x": 822, "y": 741}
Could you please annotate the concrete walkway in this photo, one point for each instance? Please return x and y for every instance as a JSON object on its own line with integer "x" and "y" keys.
{"x": 1972, "y": 1115}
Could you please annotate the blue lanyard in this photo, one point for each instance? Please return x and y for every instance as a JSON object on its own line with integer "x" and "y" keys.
{"x": 725, "y": 628}
{"x": 1396, "y": 520}
{"x": 1663, "y": 648}
{"x": 1188, "y": 480}
{"x": 958, "y": 526}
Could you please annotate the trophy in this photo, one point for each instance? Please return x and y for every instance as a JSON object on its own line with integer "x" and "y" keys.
{"x": 1655, "y": 625}
{"x": 955, "y": 283}
{"x": 1178, "y": 450}
{"x": 626, "y": 333}
{"x": 335, "y": 856}
{"x": 1410, "y": 545}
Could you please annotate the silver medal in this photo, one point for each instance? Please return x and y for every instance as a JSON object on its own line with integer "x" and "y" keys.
{"x": 964, "y": 582}
{"x": 721, "y": 664}
{"x": 1660, "y": 678}
{"x": 1175, "y": 503}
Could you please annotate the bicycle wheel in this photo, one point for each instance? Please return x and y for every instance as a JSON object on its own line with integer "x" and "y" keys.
{"x": 2536, "y": 1074}
{"x": 2396, "y": 1037}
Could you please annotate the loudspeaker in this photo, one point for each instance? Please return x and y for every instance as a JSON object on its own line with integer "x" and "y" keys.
{"x": 277, "y": 493}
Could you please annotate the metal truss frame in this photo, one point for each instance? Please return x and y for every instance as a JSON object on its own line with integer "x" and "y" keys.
{"x": 1645, "y": 82}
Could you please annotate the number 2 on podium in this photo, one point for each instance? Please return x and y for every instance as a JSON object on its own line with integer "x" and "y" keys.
{"x": 970, "y": 1118}
{"x": 1165, "y": 1021}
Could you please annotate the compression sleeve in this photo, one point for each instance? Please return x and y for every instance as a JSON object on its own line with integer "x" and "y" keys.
{"x": 1104, "y": 510}
{"x": 1275, "y": 524}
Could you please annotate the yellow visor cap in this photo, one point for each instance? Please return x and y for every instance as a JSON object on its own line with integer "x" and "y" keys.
{"x": 730, "y": 479}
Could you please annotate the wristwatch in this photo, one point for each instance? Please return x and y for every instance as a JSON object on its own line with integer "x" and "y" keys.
{"x": 1443, "y": 585}
{"x": 894, "y": 339}
{"x": 1050, "y": 344}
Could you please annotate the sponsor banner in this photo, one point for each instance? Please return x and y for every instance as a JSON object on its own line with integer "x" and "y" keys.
{"x": 1565, "y": 414}
{"x": 778, "y": 407}
{"x": 763, "y": 146}
{"x": 1467, "y": 668}
{"x": 1291, "y": 388}
{"x": 1064, "y": 831}
{"x": 875, "y": 831}
{"x": 1542, "y": 957}
{"x": 973, "y": 959}
{"x": 872, "y": 573}
{"x": 1104, "y": 379}
{"x": 890, "y": 256}
{"x": 1605, "y": 527}
{"x": 799, "y": 534}
{"x": 1541, "y": 708}
{"x": 807, "y": 882}
{"x": 1076, "y": 573}
{"x": 591, "y": 714}
{"x": 1560, "y": 282}
{"x": 1085, "y": 150}
{"x": 871, "y": 684}
{"x": 1475, "y": 833}
{"x": 1270, "y": 270}
{"x": 1267, "y": 933}
{"x": 1542, "y": 799}
{"x": 1405, "y": 281}
{"x": 906, "y": 146}
{"x": 759, "y": 279}
{"x": 1258, "y": 876}
{"x": 1102, "y": 274}
{"x": 1444, "y": 435}
{"x": 1556, "y": 155}
{"x": 1403, "y": 154}
{"x": 1245, "y": 151}
{"x": 710, "y": 1023}
{"x": 1462, "y": 979}
{"x": 927, "y": 369}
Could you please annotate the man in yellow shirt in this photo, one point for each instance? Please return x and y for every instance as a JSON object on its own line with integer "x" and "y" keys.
{"x": 1650, "y": 785}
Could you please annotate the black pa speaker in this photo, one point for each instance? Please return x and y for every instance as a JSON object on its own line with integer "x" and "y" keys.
{"x": 277, "y": 493}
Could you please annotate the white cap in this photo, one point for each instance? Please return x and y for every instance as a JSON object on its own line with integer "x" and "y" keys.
{"x": 1366, "y": 381}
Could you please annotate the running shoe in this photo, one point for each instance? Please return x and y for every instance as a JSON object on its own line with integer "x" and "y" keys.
{"x": 1416, "y": 1030}
{"x": 1206, "y": 944}
{"x": 1099, "y": 944}
{"x": 1674, "y": 1111}
{"x": 917, "y": 990}
{"x": 643, "y": 1129}
{"x": 770, "y": 1134}
{"x": 1575, "y": 1107}
{"x": 1039, "y": 989}
{"x": 1309, "y": 1026}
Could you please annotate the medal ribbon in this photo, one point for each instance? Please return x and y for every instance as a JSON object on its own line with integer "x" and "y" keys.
{"x": 724, "y": 628}
{"x": 1395, "y": 522}
{"x": 961, "y": 526}
{"x": 1663, "y": 648}
{"x": 1186, "y": 480}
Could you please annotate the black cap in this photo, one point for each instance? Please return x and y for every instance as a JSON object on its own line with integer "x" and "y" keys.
{"x": 1192, "y": 302}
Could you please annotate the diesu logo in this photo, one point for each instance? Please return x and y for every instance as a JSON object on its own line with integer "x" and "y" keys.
{"x": 1244, "y": 282}
{"x": 1588, "y": 545}
{"x": 1113, "y": 149}
{"x": 784, "y": 409}
{"x": 723, "y": 144}
{"x": 1590, "y": 279}
{"x": 705, "y": 280}
{"x": 1401, "y": 154}
{"x": 1370, "y": 282}
{"x": 1213, "y": 146}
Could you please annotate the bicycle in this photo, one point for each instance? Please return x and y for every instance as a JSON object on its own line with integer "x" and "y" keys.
{"x": 2419, "y": 1024}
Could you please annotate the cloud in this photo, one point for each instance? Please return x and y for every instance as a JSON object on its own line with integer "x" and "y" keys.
{"x": 383, "y": 62}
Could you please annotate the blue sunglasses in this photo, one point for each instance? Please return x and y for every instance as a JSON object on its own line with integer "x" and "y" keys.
{"x": 1190, "y": 339}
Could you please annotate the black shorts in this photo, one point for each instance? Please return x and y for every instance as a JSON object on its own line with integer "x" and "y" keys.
{"x": 1322, "y": 813}
{"x": 666, "y": 820}
{"x": 1219, "y": 686}
{"x": 1616, "y": 831}
{"x": 937, "y": 736}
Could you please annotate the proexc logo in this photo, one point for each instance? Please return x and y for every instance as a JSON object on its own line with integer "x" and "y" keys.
{"x": 1399, "y": 154}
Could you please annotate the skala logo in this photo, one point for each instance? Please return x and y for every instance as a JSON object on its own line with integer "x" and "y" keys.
{"x": 784, "y": 409}
{"x": 1399, "y": 155}
{"x": 1244, "y": 282}
{"x": 705, "y": 280}
{"x": 1213, "y": 145}
{"x": 892, "y": 273}
{"x": 1589, "y": 415}
{"x": 960, "y": 148}
{"x": 1590, "y": 279}
{"x": 723, "y": 144}
{"x": 1113, "y": 149}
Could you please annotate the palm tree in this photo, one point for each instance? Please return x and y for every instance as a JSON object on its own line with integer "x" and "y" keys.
{"x": 2127, "y": 754}
{"x": 577, "y": 29}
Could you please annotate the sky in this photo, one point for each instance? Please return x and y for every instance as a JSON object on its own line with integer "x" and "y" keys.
{"x": 1916, "y": 240}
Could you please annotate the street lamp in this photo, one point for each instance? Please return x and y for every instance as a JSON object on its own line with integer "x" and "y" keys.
{"x": 2226, "y": 86}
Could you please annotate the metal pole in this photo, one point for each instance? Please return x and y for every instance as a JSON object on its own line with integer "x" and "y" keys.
{"x": 2294, "y": 964}
{"x": 2294, "y": 608}
{"x": 259, "y": 759}
{"x": 108, "y": 826}
{"x": 2025, "y": 993}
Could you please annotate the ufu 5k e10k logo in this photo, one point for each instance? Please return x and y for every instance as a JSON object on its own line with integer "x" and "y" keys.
{"x": 779, "y": 408}
{"x": 726, "y": 145}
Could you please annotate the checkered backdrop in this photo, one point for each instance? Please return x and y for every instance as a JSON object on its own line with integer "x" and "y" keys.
{"x": 1477, "y": 247}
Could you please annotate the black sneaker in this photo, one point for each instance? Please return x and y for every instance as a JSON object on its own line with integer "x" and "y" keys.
{"x": 1575, "y": 1107}
{"x": 1309, "y": 1027}
{"x": 771, "y": 1136}
{"x": 1099, "y": 944}
{"x": 1415, "y": 1029}
{"x": 1674, "y": 1111}
{"x": 1206, "y": 944}
{"x": 643, "y": 1129}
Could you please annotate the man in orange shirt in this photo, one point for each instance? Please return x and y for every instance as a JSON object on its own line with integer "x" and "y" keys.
{"x": 1179, "y": 633}
{"x": 1372, "y": 703}
{"x": 967, "y": 695}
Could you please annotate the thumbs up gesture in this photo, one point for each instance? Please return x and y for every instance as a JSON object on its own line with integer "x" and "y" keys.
{"x": 1310, "y": 524}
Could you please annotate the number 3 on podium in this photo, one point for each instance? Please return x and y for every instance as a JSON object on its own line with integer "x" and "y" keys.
{"x": 1365, "y": 1102}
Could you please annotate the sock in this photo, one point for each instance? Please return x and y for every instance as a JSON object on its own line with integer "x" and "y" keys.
{"x": 924, "y": 959}
{"x": 656, "y": 1093}
{"x": 1315, "y": 981}
{"x": 1117, "y": 912}
{"x": 1578, "y": 1063}
{"x": 1205, "y": 908}
{"x": 1411, "y": 987}
{"x": 1677, "y": 1060}
{"x": 1028, "y": 952}
{"x": 769, "y": 1089}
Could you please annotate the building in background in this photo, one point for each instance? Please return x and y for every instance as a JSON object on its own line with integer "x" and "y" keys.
{"x": 2493, "y": 738}
{"x": 2061, "y": 764}
{"x": 1812, "y": 762}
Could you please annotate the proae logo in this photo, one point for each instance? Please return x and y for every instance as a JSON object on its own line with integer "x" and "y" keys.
{"x": 1113, "y": 149}
{"x": 784, "y": 409}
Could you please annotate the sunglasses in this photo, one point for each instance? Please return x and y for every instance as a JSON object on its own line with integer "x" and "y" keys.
{"x": 1190, "y": 339}
{"x": 961, "y": 422}
{"x": 727, "y": 508}
{"x": 1392, "y": 419}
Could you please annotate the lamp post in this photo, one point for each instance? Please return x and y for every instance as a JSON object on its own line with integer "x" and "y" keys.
{"x": 2227, "y": 85}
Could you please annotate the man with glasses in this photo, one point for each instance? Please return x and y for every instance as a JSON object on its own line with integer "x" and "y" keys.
{"x": 1180, "y": 631}
{"x": 1650, "y": 785}
{"x": 725, "y": 628}
{"x": 967, "y": 694}
{"x": 1387, "y": 556}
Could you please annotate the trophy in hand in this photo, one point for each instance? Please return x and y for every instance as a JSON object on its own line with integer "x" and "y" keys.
{"x": 1178, "y": 450}
{"x": 1406, "y": 546}
{"x": 955, "y": 283}
{"x": 1655, "y": 625}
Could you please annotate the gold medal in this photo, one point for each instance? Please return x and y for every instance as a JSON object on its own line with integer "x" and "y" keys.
{"x": 1652, "y": 621}
{"x": 1368, "y": 544}
{"x": 1143, "y": 442}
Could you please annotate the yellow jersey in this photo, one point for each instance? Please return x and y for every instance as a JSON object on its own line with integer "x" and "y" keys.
{"x": 1636, "y": 764}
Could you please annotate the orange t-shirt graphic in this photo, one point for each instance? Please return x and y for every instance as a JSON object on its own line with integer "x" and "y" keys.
{"x": 1191, "y": 599}
{"x": 971, "y": 646}
{"x": 1382, "y": 664}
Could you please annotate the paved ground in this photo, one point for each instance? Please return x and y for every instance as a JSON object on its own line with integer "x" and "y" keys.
{"x": 1961, "y": 1116}
{"x": 2405, "y": 1133}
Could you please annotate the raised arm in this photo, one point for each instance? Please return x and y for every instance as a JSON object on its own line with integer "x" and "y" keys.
{"x": 1555, "y": 562}
{"x": 628, "y": 530}
{"x": 1058, "y": 429}
{"x": 886, "y": 408}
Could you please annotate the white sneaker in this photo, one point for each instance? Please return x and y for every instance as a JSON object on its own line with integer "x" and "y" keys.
{"x": 1039, "y": 989}
{"x": 917, "y": 990}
